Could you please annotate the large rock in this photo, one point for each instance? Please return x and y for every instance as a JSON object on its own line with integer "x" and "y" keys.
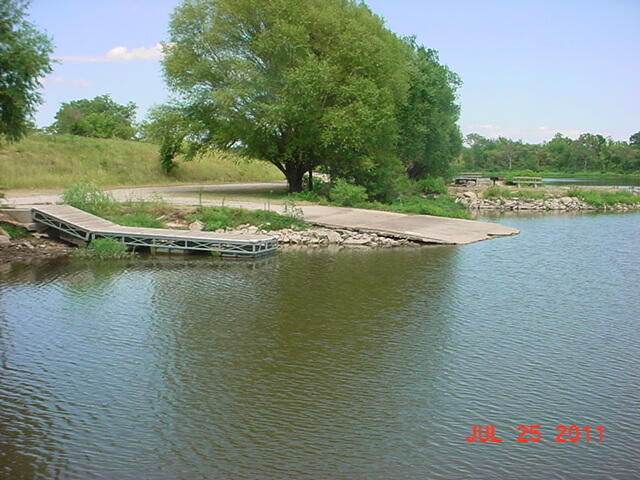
{"x": 196, "y": 226}
{"x": 333, "y": 237}
{"x": 356, "y": 242}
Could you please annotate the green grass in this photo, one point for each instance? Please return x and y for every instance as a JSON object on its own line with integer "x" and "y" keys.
{"x": 14, "y": 231}
{"x": 215, "y": 218}
{"x": 137, "y": 219}
{"x": 504, "y": 192}
{"x": 56, "y": 161}
{"x": 602, "y": 199}
{"x": 103, "y": 249}
{"x": 439, "y": 206}
{"x": 132, "y": 213}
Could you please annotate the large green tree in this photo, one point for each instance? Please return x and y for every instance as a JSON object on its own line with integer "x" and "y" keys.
{"x": 430, "y": 137}
{"x": 24, "y": 59}
{"x": 298, "y": 83}
{"x": 100, "y": 117}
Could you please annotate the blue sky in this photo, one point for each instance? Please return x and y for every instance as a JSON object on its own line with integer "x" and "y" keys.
{"x": 529, "y": 68}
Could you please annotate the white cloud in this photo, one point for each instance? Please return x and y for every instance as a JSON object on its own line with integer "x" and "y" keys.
{"x": 140, "y": 53}
{"x": 74, "y": 82}
{"x": 122, "y": 54}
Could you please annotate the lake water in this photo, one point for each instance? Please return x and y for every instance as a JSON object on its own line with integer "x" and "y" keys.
{"x": 330, "y": 365}
{"x": 614, "y": 182}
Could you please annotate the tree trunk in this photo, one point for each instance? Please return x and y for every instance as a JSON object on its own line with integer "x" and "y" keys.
{"x": 294, "y": 175}
{"x": 311, "y": 179}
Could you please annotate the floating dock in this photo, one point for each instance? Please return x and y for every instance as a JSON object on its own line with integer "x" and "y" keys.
{"x": 79, "y": 226}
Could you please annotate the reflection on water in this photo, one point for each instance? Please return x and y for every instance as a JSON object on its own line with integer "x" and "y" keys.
{"x": 351, "y": 364}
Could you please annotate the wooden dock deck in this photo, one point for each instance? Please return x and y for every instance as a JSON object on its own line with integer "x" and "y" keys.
{"x": 79, "y": 226}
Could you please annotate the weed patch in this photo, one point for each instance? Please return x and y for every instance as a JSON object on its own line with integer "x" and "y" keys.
{"x": 103, "y": 249}
{"x": 215, "y": 218}
{"x": 14, "y": 231}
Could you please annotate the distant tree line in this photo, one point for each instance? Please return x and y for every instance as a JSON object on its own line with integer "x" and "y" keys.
{"x": 588, "y": 153}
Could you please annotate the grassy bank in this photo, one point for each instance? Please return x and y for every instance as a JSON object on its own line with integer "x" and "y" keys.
{"x": 604, "y": 199}
{"x": 56, "y": 161}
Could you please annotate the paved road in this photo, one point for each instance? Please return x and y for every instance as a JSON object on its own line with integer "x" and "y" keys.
{"x": 424, "y": 228}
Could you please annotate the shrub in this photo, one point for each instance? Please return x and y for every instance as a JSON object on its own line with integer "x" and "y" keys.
{"x": 103, "y": 249}
{"x": 383, "y": 181}
{"x": 345, "y": 194}
{"x": 432, "y": 186}
{"x": 90, "y": 198}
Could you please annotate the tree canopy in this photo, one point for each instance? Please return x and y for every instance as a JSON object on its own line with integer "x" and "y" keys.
{"x": 100, "y": 117}
{"x": 304, "y": 84}
{"x": 24, "y": 59}
{"x": 589, "y": 152}
{"x": 429, "y": 133}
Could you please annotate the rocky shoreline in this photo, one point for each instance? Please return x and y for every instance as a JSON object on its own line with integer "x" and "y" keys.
{"x": 318, "y": 236}
{"x": 473, "y": 201}
{"x": 38, "y": 246}
{"x": 32, "y": 248}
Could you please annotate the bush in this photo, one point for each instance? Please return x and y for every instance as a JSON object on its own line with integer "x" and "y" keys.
{"x": 103, "y": 249}
{"x": 383, "y": 181}
{"x": 345, "y": 194}
{"x": 432, "y": 186}
{"x": 90, "y": 198}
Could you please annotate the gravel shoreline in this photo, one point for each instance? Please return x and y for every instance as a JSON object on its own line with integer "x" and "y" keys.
{"x": 474, "y": 201}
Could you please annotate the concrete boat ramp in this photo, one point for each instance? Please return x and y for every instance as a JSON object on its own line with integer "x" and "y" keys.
{"x": 420, "y": 228}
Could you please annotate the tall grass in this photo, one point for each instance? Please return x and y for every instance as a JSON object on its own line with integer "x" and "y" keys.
{"x": 602, "y": 199}
{"x": 132, "y": 213}
{"x": 103, "y": 249}
{"x": 215, "y": 218}
{"x": 504, "y": 192}
{"x": 439, "y": 206}
{"x": 55, "y": 161}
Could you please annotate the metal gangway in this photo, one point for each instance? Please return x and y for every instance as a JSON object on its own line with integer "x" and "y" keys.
{"x": 79, "y": 227}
